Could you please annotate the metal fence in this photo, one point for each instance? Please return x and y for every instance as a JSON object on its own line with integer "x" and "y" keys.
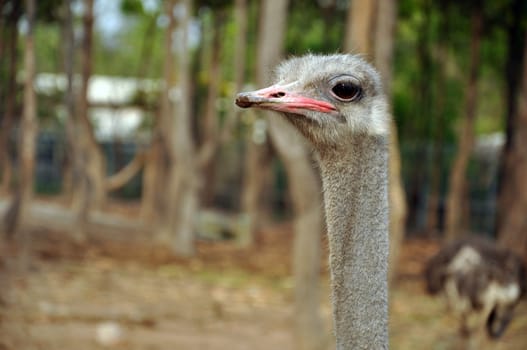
{"x": 426, "y": 170}
{"x": 420, "y": 164}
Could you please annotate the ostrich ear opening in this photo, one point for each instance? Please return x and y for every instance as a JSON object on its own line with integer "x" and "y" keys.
{"x": 281, "y": 98}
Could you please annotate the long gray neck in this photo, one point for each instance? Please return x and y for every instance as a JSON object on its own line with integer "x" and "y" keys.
{"x": 355, "y": 181}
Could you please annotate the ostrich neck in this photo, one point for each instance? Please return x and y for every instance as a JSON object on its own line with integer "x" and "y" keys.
{"x": 356, "y": 201}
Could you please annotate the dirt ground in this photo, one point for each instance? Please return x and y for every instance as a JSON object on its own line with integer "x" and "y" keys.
{"x": 120, "y": 295}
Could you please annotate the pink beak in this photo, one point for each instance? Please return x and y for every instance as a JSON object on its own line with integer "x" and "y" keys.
{"x": 278, "y": 98}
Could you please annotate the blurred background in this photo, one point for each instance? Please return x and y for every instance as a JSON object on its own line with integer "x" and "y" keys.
{"x": 140, "y": 209}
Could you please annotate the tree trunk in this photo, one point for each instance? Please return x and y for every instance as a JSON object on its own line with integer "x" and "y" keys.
{"x": 94, "y": 168}
{"x": 211, "y": 128}
{"x": 72, "y": 169}
{"x": 3, "y": 26}
{"x": 360, "y": 27}
{"x": 256, "y": 172}
{"x": 10, "y": 50}
{"x": 515, "y": 35}
{"x": 156, "y": 171}
{"x": 183, "y": 176}
{"x": 240, "y": 49}
{"x": 154, "y": 197}
{"x": 512, "y": 231}
{"x": 152, "y": 178}
{"x": 95, "y": 165}
{"x": 210, "y": 124}
{"x": 89, "y": 191}
{"x": 256, "y": 176}
{"x": 154, "y": 203}
{"x": 303, "y": 184}
{"x": 457, "y": 188}
{"x": 124, "y": 175}
{"x": 68, "y": 42}
{"x": 18, "y": 213}
{"x": 433, "y": 204}
{"x": 384, "y": 37}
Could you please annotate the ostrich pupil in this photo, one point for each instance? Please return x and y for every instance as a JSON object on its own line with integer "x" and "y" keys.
{"x": 346, "y": 91}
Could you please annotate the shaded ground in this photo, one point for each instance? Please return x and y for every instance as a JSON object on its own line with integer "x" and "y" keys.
{"x": 225, "y": 298}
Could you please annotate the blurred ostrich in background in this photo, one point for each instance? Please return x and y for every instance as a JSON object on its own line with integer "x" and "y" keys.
{"x": 481, "y": 282}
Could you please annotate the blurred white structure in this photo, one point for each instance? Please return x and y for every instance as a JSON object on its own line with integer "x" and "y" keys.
{"x": 111, "y": 102}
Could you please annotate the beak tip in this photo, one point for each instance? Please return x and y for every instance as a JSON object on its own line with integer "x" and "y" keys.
{"x": 243, "y": 101}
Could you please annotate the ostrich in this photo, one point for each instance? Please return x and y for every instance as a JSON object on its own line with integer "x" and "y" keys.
{"x": 481, "y": 283}
{"x": 337, "y": 103}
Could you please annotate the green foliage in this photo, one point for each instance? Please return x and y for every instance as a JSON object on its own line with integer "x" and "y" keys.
{"x": 428, "y": 91}
{"x": 49, "y": 11}
{"x": 137, "y": 50}
{"x": 48, "y": 50}
{"x": 213, "y": 4}
{"x": 132, "y": 7}
{"x": 314, "y": 28}
{"x": 419, "y": 98}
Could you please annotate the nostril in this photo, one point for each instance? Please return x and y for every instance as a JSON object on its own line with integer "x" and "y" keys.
{"x": 278, "y": 94}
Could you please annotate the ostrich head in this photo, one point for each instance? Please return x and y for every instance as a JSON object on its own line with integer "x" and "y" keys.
{"x": 337, "y": 103}
{"x": 327, "y": 98}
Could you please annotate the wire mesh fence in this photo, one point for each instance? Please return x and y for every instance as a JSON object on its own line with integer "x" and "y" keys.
{"x": 425, "y": 171}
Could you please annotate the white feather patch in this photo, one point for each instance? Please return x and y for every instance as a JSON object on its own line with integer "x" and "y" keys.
{"x": 465, "y": 260}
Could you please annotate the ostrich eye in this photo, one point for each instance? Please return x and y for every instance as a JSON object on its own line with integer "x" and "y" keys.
{"x": 346, "y": 91}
